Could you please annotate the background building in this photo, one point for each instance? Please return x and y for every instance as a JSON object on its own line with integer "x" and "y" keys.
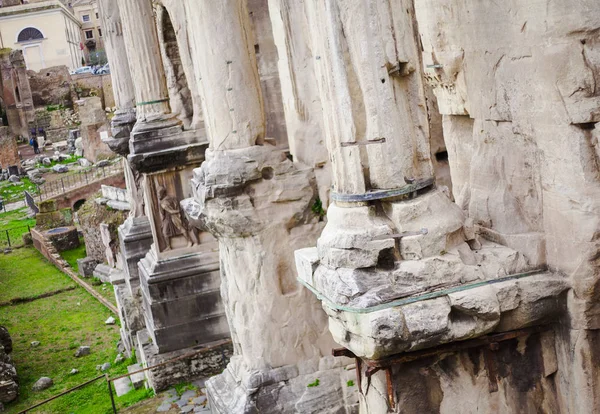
{"x": 86, "y": 13}
{"x": 46, "y": 31}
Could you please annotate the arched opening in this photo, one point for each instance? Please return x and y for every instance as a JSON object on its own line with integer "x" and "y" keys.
{"x": 78, "y": 204}
{"x": 28, "y": 34}
{"x": 179, "y": 91}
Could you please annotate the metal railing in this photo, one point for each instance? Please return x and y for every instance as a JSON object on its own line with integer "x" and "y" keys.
{"x": 13, "y": 237}
{"x": 79, "y": 179}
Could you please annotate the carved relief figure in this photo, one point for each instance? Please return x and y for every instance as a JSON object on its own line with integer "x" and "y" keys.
{"x": 171, "y": 220}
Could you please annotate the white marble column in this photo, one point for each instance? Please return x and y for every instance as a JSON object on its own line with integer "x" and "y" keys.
{"x": 374, "y": 108}
{"x": 122, "y": 83}
{"x": 145, "y": 63}
{"x": 226, "y": 62}
{"x": 255, "y": 202}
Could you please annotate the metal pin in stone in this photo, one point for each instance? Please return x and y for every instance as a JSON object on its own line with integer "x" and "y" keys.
{"x": 421, "y": 232}
{"x": 369, "y": 142}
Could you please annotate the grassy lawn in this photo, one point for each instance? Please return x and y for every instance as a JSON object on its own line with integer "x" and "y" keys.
{"x": 16, "y": 218}
{"x": 13, "y": 225}
{"x": 104, "y": 289}
{"x": 10, "y": 192}
{"x": 25, "y": 273}
{"x": 71, "y": 256}
{"x": 61, "y": 323}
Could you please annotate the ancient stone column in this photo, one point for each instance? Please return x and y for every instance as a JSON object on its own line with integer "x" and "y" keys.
{"x": 300, "y": 92}
{"x": 391, "y": 235}
{"x": 155, "y": 122}
{"x": 122, "y": 83}
{"x": 258, "y": 205}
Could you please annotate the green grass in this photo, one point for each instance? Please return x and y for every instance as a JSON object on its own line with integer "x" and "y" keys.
{"x": 104, "y": 289}
{"x": 10, "y": 192}
{"x": 25, "y": 273}
{"x": 71, "y": 256}
{"x": 61, "y": 323}
{"x": 15, "y": 224}
{"x": 16, "y": 218}
{"x": 71, "y": 160}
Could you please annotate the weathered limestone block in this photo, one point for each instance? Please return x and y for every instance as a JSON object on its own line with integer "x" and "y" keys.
{"x": 434, "y": 212}
{"x": 417, "y": 323}
{"x": 201, "y": 365}
{"x": 345, "y": 243}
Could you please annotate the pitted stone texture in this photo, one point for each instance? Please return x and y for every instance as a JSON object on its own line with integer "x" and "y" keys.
{"x": 352, "y": 238}
{"x": 258, "y": 204}
{"x": 285, "y": 390}
{"x": 363, "y": 288}
{"x": 451, "y": 317}
{"x": 433, "y": 211}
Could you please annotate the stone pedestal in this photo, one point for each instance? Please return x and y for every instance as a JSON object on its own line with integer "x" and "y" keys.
{"x": 182, "y": 305}
{"x": 135, "y": 237}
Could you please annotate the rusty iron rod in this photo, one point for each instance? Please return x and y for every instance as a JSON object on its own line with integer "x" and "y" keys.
{"x": 110, "y": 392}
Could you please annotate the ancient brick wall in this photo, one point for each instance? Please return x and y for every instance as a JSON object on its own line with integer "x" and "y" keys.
{"x": 51, "y": 86}
{"x": 9, "y": 154}
{"x": 96, "y": 85}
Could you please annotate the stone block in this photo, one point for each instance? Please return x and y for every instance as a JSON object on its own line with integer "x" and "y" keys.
{"x": 86, "y": 266}
{"x": 137, "y": 379}
{"x": 102, "y": 272}
{"x": 63, "y": 238}
{"x": 47, "y": 206}
{"x": 122, "y": 386}
{"x": 307, "y": 261}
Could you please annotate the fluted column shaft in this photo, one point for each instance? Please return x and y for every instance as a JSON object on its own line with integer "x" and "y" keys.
{"x": 230, "y": 85}
{"x": 116, "y": 53}
{"x": 375, "y": 120}
{"x": 145, "y": 63}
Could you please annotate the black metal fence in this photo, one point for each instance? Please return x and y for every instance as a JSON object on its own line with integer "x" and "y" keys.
{"x": 79, "y": 179}
{"x": 13, "y": 237}
{"x": 30, "y": 201}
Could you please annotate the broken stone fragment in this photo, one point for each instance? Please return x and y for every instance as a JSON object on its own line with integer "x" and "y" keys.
{"x": 35, "y": 344}
{"x": 82, "y": 351}
{"x": 110, "y": 321}
{"x": 42, "y": 384}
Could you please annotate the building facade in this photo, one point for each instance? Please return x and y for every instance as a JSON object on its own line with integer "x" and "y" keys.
{"x": 46, "y": 31}
{"x": 86, "y": 13}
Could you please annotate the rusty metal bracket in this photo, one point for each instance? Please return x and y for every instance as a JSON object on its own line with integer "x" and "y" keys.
{"x": 390, "y": 388}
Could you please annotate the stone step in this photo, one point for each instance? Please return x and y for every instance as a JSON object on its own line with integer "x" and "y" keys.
{"x": 123, "y": 386}
{"x": 138, "y": 379}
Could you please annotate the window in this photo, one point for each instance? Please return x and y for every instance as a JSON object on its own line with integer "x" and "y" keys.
{"x": 89, "y": 34}
{"x": 97, "y": 17}
{"x": 85, "y": 18}
{"x": 29, "y": 33}
{"x": 99, "y": 32}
